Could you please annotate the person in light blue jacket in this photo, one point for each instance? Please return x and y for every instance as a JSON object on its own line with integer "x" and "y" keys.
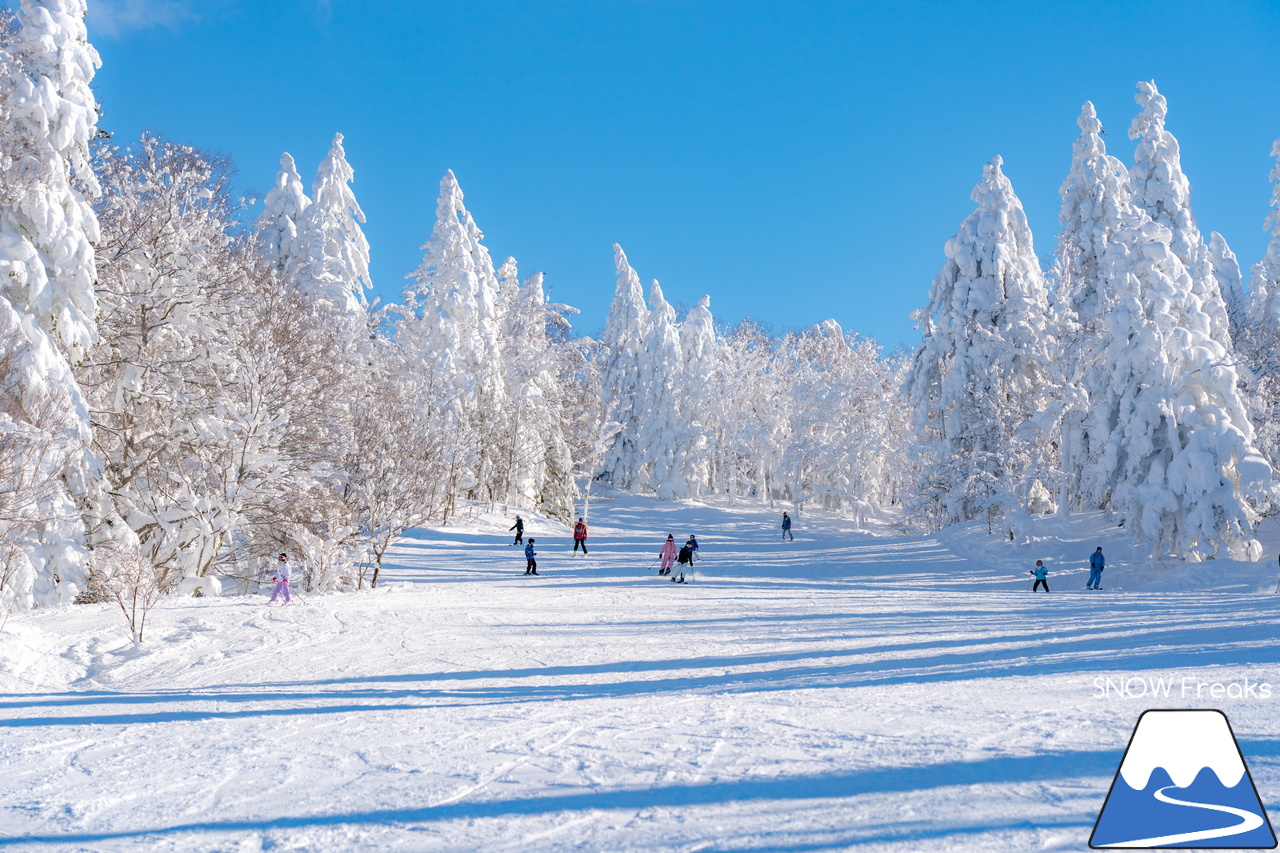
{"x": 1097, "y": 563}
{"x": 1042, "y": 576}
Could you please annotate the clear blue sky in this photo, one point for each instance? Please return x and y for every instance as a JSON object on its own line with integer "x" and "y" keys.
{"x": 795, "y": 160}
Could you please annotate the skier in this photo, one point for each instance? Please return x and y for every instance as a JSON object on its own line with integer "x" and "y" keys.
{"x": 667, "y": 555}
{"x": 685, "y": 557}
{"x": 786, "y": 528}
{"x": 580, "y": 536}
{"x": 1097, "y": 563}
{"x": 693, "y": 543}
{"x": 1042, "y": 576}
{"x": 281, "y": 580}
{"x": 518, "y": 527}
{"x": 531, "y": 567}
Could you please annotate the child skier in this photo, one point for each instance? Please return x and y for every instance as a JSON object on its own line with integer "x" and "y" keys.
{"x": 580, "y": 536}
{"x": 281, "y": 580}
{"x": 786, "y": 527}
{"x": 685, "y": 559}
{"x": 667, "y": 555}
{"x": 693, "y": 544}
{"x": 1042, "y": 576}
{"x": 1097, "y": 563}
{"x": 518, "y": 527}
{"x": 531, "y": 566}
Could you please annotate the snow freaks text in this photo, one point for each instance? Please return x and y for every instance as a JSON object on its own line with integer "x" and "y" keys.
{"x": 1185, "y": 687}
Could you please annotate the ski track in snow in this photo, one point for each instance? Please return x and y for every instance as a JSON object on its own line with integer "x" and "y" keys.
{"x": 840, "y": 691}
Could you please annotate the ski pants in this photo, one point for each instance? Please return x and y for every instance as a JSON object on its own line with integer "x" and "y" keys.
{"x": 581, "y": 542}
{"x": 532, "y": 568}
{"x": 1095, "y": 578}
{"x": 666, "y": 562}
{"x": 786, "y": 531}
{"x": 519, "y": 537}
{"x": 281, "y": 586}
{"x": 1039, "y": 581}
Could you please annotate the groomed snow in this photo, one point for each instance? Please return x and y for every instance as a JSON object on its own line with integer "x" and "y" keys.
{"x": 892, "y": 693}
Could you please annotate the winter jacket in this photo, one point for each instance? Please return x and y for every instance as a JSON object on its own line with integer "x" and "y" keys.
{"x": 693, "y": 543}
{"x": 1040, "y": 572}
{"x": 579, "y": 531}
{"x": 668, "y": 550}
{"x": 282, "y": 572}
{"x": 519, "y": 525}
{"x": 529, "y": 552}
{"x": 686, "y": 555}
{"x": 786, "y": 522}
{"x": 1097, "y": 561}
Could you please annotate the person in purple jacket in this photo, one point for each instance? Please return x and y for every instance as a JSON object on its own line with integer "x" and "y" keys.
{"x": 281, "y": 579}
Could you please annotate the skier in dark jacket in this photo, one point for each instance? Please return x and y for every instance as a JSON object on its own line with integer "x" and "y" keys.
{"x": 1042, "y": 576}
{"x": 531, "y": 567}
{"x": 1097, "y": 563}
{"x": 693, "y": 544}
{"x": 518, "y": 527}
{"x": 786, "y": 527}
{"x": 685, "y": 557}
{"x": 580, "y": 536}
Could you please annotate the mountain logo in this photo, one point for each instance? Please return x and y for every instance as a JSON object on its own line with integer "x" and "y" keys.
{"x": 1183, "y": 784}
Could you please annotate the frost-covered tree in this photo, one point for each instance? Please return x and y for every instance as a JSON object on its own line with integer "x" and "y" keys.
{"x": 666, "y": 439}
{"x": 700, "y": 354}
{"x": 978, "y": 374}
{"x": 47, "y": 230}
{"x": 1162, "y": 190}
{"x": 625, "y": 335}
{"x": 451, "y": 326}
{"x": 283, "y": 242}
{"x": 1176, "y": 444}
{"x": 538, "y": 462}
{"x": 1097, "y": 203}
{"x": 336, "y": 267}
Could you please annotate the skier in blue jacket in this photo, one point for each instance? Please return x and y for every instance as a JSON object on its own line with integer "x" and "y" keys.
{"x": 530, "y": 555}
{"x": 1042, "y": 576}
{"x": 1097, "y": 563}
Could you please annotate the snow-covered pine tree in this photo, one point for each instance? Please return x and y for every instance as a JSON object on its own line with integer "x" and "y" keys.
{"x": 979, "y": 371}
{"x": 665, "y": 436}
{"x": 700, "y": 357}
{"x": 453, "y": 301}
{"x": 1161, "y": 189}
{"x": 47, "y": 231}
{"x": 279, "y": 226}
{"x": 538, "y": 461}
{"x": 1264, "y": 278}
{"x": 1178, "y": 445}
{"x": 337, "y": 254}
{"x": 1096, "y": 205}
{"x": 625, "y": 333}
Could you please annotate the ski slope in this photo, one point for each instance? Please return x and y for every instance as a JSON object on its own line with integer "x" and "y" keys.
{"x": 846, "y": 690}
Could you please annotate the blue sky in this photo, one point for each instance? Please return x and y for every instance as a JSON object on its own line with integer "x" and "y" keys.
{"x": 795, "y": 160}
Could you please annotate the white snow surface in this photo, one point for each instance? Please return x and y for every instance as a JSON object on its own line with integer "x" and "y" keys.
{"x": 846, "y": 690}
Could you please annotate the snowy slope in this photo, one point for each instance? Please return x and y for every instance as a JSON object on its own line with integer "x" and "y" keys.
{"x": 893, "y": 693}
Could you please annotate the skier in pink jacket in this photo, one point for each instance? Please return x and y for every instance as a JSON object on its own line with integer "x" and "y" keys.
{"x": 668, "y": 555}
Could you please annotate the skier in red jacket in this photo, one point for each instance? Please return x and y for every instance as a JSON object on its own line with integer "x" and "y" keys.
{"x": 580, "y": 537}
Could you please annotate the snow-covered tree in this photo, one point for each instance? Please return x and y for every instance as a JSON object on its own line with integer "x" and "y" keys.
{"x": 47, "y": 231}
{"x": 625, "y": 335}
{"x": 979, "y": 372}
{"x": 336, "y": 251}
{"x": 284, "y": 244}
{"x": 1161, "y": 189}
{"x": 1175, "y": 440}
{"x": 451, "y": 327}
